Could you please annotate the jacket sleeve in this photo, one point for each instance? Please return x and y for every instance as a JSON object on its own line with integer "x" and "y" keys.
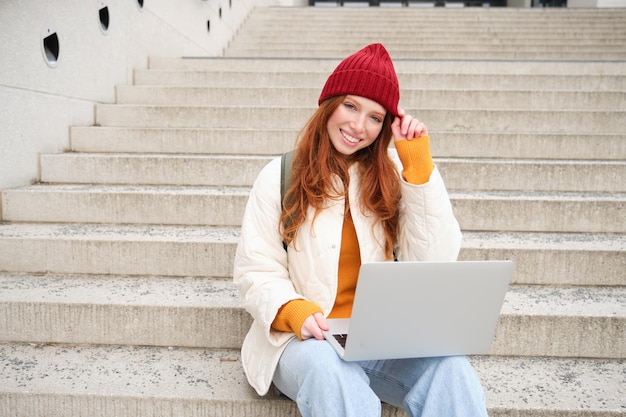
{"x": 429, "y": 230}
{"x": 261, "y": 270}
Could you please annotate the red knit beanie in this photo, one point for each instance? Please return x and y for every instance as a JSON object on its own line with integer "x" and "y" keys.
{"x": 367, "y": 73}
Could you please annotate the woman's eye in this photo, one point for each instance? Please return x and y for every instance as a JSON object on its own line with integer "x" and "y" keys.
{"x": 377, "y": 119}
{"x": 349, "y": 106}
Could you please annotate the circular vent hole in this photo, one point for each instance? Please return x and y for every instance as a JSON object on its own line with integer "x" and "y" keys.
{"x": 103, "y": 15}
{"x": 50, "y": 45}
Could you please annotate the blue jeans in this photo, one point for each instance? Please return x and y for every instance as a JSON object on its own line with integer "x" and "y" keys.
{"x": 324, "y": 385}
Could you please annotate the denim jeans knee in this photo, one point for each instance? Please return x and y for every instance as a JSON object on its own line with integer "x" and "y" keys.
{"x": 429, "y": 387}
{"x": 323, "y": 385}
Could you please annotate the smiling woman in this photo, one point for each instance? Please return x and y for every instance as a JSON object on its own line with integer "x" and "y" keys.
{"x": 351, "y": 200}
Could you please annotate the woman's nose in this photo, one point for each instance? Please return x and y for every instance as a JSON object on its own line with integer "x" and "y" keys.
{"x": 358, "y": 123}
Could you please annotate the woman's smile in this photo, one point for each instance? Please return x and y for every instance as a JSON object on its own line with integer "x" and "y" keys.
{"x": 349, "y": 137}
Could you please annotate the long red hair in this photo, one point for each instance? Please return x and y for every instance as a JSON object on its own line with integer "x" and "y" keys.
{"x": 315, "y": 163}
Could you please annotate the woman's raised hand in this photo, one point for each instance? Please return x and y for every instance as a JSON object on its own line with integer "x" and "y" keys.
{"x": 406, "y": 127}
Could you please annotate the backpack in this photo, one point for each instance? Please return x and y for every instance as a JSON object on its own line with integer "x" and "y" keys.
{"x": 285, "y": 179}
{"x": 285, "y": 174}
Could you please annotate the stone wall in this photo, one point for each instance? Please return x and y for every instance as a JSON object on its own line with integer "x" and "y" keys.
{"x": 57, "y": 59}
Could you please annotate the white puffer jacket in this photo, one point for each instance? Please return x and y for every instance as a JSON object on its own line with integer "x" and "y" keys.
{"x": 268, "y": 277}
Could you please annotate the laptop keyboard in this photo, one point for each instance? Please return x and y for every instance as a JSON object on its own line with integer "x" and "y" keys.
{"x": 341, "y": 338}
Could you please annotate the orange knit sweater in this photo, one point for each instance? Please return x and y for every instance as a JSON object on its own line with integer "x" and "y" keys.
{"x": 418, "y": 165}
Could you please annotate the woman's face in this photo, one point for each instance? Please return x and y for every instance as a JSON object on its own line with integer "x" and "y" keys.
{"x": 355, "y": 124}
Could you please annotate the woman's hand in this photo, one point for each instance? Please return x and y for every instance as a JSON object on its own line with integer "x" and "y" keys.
{"x": 313, "y": 327}
{"x": 406, "y": 127}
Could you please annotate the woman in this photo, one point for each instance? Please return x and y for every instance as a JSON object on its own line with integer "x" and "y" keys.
{"x": 351, "y": 200}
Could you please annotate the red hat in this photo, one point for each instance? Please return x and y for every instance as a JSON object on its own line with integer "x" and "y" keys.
{"x": 367, "y": 73}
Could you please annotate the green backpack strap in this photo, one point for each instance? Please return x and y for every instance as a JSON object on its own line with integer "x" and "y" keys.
{"x": 285, "y": 175}
{"x": 285, "y": 178}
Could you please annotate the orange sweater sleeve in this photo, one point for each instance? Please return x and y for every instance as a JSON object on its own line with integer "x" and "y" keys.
{"x": 292, "y": 314}
{"x": 416, "y": 159}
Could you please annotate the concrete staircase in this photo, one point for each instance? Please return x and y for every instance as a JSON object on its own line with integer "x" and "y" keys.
{"x": 116, "y": 297}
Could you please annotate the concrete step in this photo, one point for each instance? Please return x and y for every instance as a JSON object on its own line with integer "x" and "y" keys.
{"x": 437, "y": 33}
{"x": 394, "y": 29}
{"x": 472, "y": 174}
{"x": 580, "y": 321}
{"x": 452, "y": 51}
{"x": 221, "y": 206}
{"x": 161, "y": 169}
{"x": 540, "y": 212}
{"x": 440, "y": 99}
{"x": 352, "y": 25}
{"x": 201, "y": 251}
{"x": 73, "y": 381}
{"x": 204, "y": 312}
{"x": 549, "y": 16}
{"x": 403, "y": 67}
{"x": 421, "y": 77}
{"x": 401, "y": 45}
{"x": 385, "y": 24}
{"x": 441, "y": 47}
{"x": 230, "y": 141}
{"x": 175, "y": 205}
{"x": 555, "y": 258}
{"x": 476, "y": 174}
{"x": 118, "y": 249}
{"x": 276, "y": 141}
{"x": 389, "y": 19}
{"x": 110, "y": 309}
{"x": 467, "y": 120}
{"x": 432, "y": 22}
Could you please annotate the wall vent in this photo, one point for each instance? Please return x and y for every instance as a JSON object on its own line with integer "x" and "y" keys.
{"x": 50, "y": 45}
{"x": 103, "y": 15}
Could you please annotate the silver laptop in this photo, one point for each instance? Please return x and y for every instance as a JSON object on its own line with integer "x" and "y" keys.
{"x": 422, "y": 309}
